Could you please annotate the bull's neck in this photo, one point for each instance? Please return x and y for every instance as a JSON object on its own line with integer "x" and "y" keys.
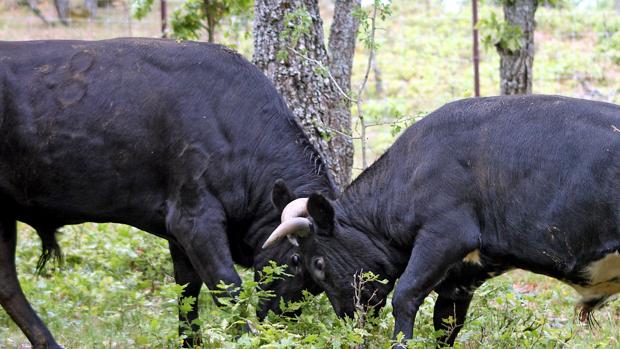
{"x": 289, "y": 156}
{"x": 374, "y": 205}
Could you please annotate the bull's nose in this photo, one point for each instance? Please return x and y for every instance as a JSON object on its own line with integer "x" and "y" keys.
{"x": 264, "y": 308}
{"x": 261, "y": 314}
{"x": 345, "y": 312}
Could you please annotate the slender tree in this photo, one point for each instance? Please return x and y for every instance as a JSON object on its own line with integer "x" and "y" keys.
{"x": 62, "y": 8}
{"x": 91, "y": 7}
{"x": 516, "y": 65}
{"x": 192, "y": 17}
{"x": 289, "y": 47}
{"x": 32, "y": 4}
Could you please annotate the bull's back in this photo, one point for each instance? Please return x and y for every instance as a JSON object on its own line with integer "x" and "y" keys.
{"x": 539, "y": 170}
{"x": 94, "y": 128}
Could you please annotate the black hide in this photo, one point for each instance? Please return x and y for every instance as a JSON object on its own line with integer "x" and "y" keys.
{"x": 478, "y": 187}
{"x": 182, "y": 140}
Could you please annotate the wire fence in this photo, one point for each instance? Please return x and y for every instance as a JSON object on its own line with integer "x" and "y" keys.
{"x": 112, "y": 19}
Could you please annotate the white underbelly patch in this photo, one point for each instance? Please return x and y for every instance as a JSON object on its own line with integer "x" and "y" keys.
{"x": 603, "y": 276}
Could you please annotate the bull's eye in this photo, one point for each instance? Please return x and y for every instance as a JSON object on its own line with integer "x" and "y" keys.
{"x": 295, "y": 260}
{"x": 319, "y": 264}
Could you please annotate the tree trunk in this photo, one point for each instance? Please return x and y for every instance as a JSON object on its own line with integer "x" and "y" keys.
{"x": 62, "y": 8}
{"x": 342, "y": 38}
{"x": 617, "y": 5}
{"x": 91, "y": 7}
{"x": 210, "y": 20}
{"x": 32, "y": 4}
{"x": 516, "y": 67}
{"x": 293, "y": 65}
{"x": 342, "y": 35}
{"x": 163, "y": 16}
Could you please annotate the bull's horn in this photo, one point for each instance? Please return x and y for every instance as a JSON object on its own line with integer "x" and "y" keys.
{"x": 300, "y": 226}
{"x": 293, "y": 240}
{"x": 295, "y": 208}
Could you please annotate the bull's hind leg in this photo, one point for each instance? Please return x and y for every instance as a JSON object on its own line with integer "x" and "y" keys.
{"x": 450, "y": 308}
{"x": 185, "y": 274}
{"x": 454, "y": 295}
{"x": 437, "y": 248}
{"x": 11, "y": 296}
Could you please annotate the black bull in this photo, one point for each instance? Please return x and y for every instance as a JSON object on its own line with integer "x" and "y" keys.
{"x": 476, "y": 188}
{"x": 182, "y": 140}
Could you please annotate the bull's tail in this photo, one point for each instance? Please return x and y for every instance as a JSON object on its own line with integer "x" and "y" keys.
{"x": 50, "y": 248}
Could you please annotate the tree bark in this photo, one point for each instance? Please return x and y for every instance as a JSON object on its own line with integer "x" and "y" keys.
{"x": 62, "y": 8}
{"x": 516, "y": 67}
{"x": 342, "y": 35}
{"x": 309, "y": 92}
{"x": 210, "y": 20}
{"x": 91, "y": 7}
{"x": 342, "y": 38}
{"x": 32, "y": 4}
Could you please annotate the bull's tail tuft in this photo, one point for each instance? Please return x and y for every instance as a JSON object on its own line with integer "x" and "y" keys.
{"x": 587, "y": 308}
{"x": 50, "y": 247}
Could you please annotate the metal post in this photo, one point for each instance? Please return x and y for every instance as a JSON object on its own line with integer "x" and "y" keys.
{"x": 164, "y": 20}
{"x": 476, "y": 53}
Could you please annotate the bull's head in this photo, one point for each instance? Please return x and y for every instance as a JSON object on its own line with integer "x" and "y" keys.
{"x": 286, "y": 252}
{"x": 332, "y": 251}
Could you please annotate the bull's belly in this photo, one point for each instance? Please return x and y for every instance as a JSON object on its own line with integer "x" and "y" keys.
{"x": 603, "y": 279}
{"x": 141, "y": 209}
{"x": 602, "y": 276}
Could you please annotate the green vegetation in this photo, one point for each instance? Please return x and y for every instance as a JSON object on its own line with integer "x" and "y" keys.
{"x": 192, "y": 17}
{"x": 116, "y": 291}
{"x": 424, "y": 58}
{"x": 500, "y": 34}
{"x": 116, "y": 288}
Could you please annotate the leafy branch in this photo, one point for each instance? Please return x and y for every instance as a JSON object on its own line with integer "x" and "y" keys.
{"x": 500, "y": 34}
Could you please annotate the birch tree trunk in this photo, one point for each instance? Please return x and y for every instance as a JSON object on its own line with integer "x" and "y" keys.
{"x": 516, "y": 67}
{"x": 295, "y": 59}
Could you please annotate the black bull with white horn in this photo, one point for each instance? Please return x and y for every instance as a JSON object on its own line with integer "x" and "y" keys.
{"x": 183, "y": 140}
{"x": 476, "y": 188}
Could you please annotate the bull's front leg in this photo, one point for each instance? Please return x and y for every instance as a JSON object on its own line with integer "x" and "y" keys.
{"x": 436, "y": 250}
{"x": 200, "y": 231}
{"x": 200, "y": 254}
{"x": 450, "y": 307}
{"x": 185, "y": 274}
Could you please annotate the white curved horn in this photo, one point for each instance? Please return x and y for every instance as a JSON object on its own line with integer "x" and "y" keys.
{"x": 295, "y": 208}
{"x": 300, "y": 226}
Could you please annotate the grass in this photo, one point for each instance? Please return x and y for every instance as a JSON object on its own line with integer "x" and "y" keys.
{"x": 116, "y": 291}
{"x": 116, "y": 288}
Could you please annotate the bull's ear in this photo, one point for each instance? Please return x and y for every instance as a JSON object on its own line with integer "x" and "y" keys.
{"x": 321, "y": 211}
{"x": 281, "y": 195}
